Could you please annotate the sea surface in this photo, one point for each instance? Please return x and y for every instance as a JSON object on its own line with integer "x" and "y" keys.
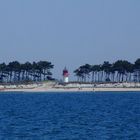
{"x": 70, "y": 116}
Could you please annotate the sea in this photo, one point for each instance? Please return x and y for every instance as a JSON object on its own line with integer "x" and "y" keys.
{"x": 70, "y": 116}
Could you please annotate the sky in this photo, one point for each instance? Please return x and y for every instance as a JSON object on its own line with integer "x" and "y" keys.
{"x": 69, "y": 32}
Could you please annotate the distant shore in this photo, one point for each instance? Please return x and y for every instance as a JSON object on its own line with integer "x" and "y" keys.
{"x": 70, "y": 87}
{"x": 72, "y": 90}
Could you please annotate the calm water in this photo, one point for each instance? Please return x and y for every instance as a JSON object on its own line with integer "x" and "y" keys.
{"x": 69, "y": 116}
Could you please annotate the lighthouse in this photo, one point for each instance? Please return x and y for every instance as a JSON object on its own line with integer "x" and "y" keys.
{"x": 65, "y": 75}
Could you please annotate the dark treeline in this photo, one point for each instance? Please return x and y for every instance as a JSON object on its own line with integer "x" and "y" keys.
{"x": 119, "y": 71}
{"x": 17, "y": 72}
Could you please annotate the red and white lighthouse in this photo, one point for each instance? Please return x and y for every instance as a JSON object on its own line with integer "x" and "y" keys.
{"x": 65, "y": 75}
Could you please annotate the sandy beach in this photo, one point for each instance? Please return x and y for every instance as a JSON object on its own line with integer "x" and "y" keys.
{"x": 71, "y": 87}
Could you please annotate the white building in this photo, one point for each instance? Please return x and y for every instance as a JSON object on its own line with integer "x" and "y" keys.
{"x": 65, "y": 75}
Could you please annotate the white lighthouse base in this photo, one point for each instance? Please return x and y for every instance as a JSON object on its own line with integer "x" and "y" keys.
{"x": 66, "y": 79}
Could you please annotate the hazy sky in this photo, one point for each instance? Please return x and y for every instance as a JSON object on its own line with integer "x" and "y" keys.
{"x": 69, "y": 32}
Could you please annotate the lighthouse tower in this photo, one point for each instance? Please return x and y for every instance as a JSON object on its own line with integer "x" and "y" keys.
{"x": 65, "y": 75}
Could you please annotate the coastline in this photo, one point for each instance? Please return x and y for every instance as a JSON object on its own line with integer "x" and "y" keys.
{"x": 74, "y": 90}
{"x": 71, "y": 87}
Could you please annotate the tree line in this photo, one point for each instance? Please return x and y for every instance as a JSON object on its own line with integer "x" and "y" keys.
{"x": 23, "y": 72}
{"x": 119, "y": 71}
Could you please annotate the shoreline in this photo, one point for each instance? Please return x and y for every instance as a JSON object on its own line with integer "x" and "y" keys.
{"x": 70, "y": 87}
{"x": 74, "y": 90}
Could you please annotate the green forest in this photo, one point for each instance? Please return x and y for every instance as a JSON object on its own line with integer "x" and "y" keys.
{"x": 119, "y": 71}
{"x": 25, "y": 72}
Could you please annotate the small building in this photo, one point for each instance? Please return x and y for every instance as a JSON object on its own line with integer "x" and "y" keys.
{"x": 65, "y": 75}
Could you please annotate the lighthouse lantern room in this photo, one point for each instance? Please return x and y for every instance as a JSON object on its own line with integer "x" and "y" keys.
{"x": 65, "y": 75}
